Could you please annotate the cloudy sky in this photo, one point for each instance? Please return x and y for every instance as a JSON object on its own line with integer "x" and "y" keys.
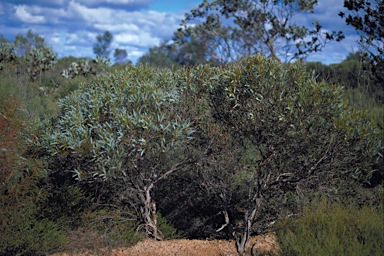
{"x": 71, "y": 26}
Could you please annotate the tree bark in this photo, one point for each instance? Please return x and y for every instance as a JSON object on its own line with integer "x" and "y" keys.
{"x": 242, "y": 241}
{"x": 249, "y": 217}
{"x": 148, "y": 211}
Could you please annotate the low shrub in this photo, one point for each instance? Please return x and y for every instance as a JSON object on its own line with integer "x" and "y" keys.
{"x": 333, "y": 229}
{"x": 25, "y": 234}
{"x": 105, "y": 227}
{"x": 22, "y": 232}
{"x": 167, "y": 229}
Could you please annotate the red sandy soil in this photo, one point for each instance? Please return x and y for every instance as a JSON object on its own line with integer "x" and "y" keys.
{"x": 184, "y": 247}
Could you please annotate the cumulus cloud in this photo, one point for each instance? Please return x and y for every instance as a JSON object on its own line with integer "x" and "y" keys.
{"x": 79, "y": 11}
{"x": 93, "y": 2}
{"x": 128, "y": 27}
{"x": 22, "y": 14}
{"x": 72, "y": 25}
{"x": 143, "y": 39}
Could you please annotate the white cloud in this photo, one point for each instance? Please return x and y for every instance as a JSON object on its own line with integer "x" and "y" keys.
{"x": 72, "y": 39}
{"x": 118, "y": 27}
{"x": 22, "y": 13}
{"x": 135, "y": 54}
{"x": 73, "y": 50}
{"x": 89, "y": 15}
{"x": 93, "y": 2}
{"x": 143, "y": 39}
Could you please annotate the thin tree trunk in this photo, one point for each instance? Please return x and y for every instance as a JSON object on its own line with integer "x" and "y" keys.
{"x": 148, "y": 207}
{"x": 149, "y": 213}
{"x": 242, "y": 241}
{"x": 154, "y": 218}
{"x": 249, "y": 217}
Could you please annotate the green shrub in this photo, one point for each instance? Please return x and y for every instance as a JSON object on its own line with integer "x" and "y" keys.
{"x": 106, "y": 227}
{"x": 83, "y": 68}
{"x": 167, "y": 229}
{"x": 24, "y": 233}
{"x": 7, "y": 54}
{"x": 333, "y": 229}
{"x": 118, "y": 134}
{"x": 21, "y": 230}
{"x": 40, "y": 59}
{"x": 359, "y": 99}
{"x": 36, "y": 102}
{"x": 38, "y": 97}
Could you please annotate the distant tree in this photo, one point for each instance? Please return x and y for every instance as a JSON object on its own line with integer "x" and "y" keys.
{"x": 356, "y": 71}
{"x": 190, "y": 52}
{"x": 82, "y": 67}
{"x": 3, "y": 39}
{"x": 40, "y": 59}
{"x": 367, "y": 17}
{"x": 24, "y": 44}
{"x": 230, "y": 30}
{"x": 160, "y": 56}
{"x": 171, "y": 54}
{"x": 102, "y": 47}
{"x": 121, "y": 56}
{"x": 320, "y": 71}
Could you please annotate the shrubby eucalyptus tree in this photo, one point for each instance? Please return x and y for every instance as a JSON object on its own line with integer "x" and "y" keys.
{"x": 234, "y": 29}
{"x": 261, "y": 129}
{"x": 288, "y": 134}
{"x": 121, "y": 129}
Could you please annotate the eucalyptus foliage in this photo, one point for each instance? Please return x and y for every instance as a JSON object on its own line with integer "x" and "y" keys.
{"x": 293, "y": 135}
{"x": 111, "y": 123}
{"x": 296, "y": 122}
{"x": 120, "y": 128}
{"x": 262, "y": 130}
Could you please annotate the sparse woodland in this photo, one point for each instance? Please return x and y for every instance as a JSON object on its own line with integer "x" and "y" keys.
{"x": 182, "y": 146}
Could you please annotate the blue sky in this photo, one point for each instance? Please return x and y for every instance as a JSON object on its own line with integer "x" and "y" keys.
{"x": 70, "y": 27}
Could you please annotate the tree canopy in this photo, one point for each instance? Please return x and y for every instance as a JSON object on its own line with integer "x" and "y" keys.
{"x": 24, "y": 44}
{"x": 121, "y": 56}
{"x": 367, "y": 17}
{"x": 103, "y": 44}
{"x": 121, "y": 129}
{"x": 230, "y": 30}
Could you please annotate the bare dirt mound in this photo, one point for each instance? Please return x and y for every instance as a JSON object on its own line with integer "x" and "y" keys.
{"x": 185, "y": 247}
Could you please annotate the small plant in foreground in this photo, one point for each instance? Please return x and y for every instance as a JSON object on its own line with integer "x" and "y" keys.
{"x": 333, "y": 229}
